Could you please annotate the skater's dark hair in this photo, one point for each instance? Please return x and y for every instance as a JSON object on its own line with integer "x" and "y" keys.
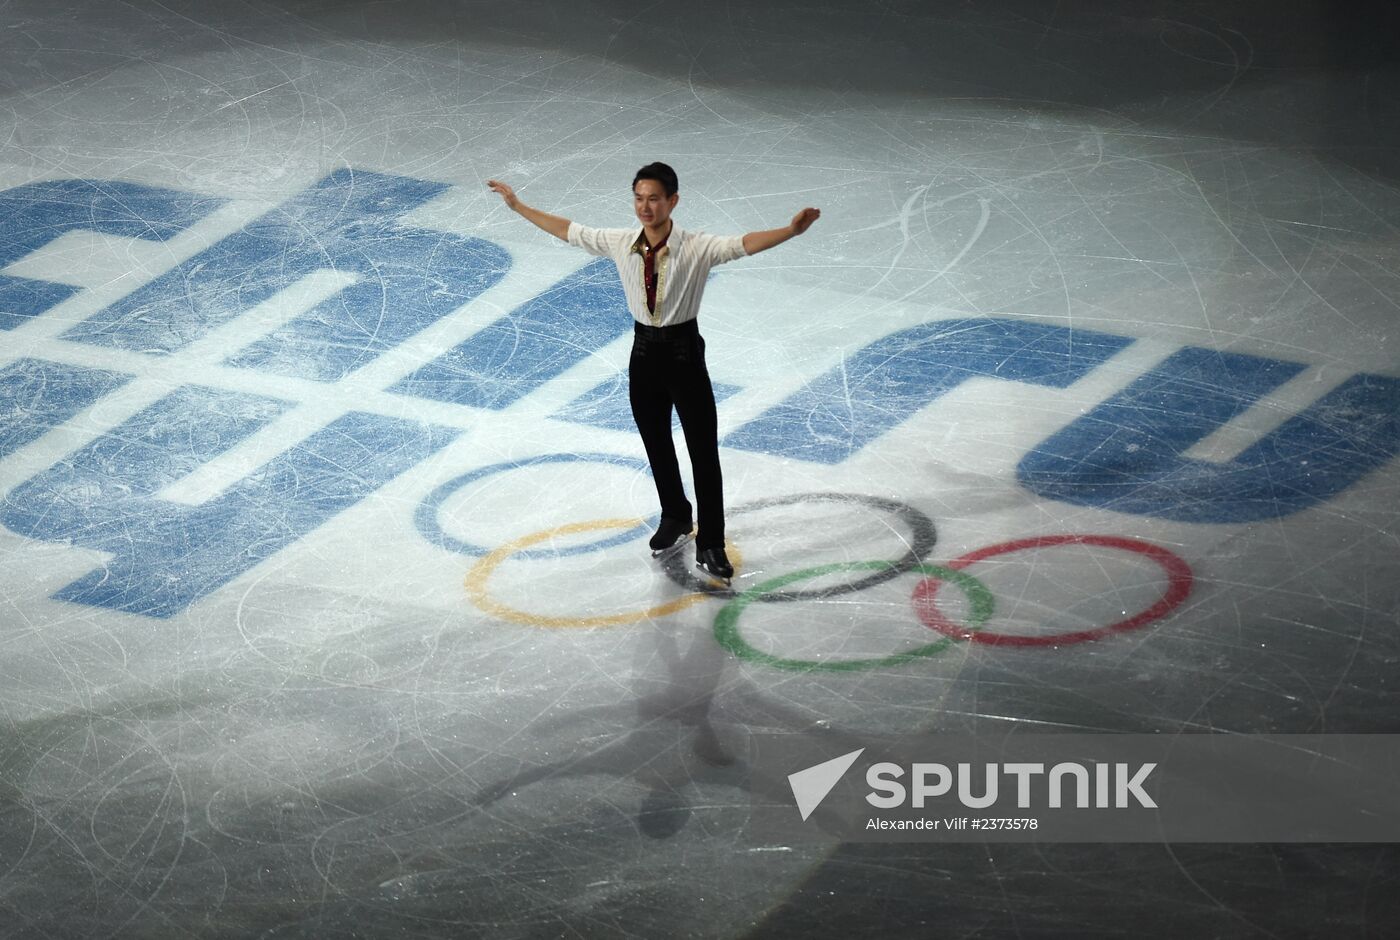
{"x": 662, "y": 174}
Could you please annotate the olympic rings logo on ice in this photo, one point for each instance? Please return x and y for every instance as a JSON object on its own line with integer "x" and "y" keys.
{"x": 980, "y": 598}
{"x": 921, "y": 538}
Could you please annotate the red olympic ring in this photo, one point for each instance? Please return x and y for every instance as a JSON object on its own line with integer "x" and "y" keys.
{"x": 1179, "y": 579}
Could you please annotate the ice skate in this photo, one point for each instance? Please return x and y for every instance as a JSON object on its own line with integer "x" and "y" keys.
{"x": 670, "y": 535}
{"x": 714, "y": 563}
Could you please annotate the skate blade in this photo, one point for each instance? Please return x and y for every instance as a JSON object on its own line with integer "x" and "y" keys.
{"x": 728, "y": 582}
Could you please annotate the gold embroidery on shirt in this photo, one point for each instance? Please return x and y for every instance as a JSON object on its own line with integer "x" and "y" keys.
{"x": 663, "y": 260}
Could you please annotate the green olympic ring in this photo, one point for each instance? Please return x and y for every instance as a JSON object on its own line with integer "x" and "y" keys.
{"x": 727, "y": 620}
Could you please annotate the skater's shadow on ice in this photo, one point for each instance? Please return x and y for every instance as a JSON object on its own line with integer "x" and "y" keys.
{"x": 676, "y": 749}
{"x": 673, "y": 746}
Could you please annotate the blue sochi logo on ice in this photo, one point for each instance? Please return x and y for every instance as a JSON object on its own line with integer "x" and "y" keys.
{"x": 382, "y": 280}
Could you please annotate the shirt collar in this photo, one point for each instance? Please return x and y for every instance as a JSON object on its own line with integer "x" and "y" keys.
{"x": 639, "y": 243}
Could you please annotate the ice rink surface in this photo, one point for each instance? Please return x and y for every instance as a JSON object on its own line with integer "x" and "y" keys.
{"x": 325, "y": 605}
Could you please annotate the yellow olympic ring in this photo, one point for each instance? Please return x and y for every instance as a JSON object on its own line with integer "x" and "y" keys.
{"x": 482, "y": 571}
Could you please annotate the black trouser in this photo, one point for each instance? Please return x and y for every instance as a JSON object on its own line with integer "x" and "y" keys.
{"x": 668, "y": 369}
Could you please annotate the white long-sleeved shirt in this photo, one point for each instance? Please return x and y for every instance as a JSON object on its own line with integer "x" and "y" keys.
{"x": 682, "y": 266}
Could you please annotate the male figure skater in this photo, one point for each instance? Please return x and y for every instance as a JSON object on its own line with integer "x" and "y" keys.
{"x": 663, "y": 269}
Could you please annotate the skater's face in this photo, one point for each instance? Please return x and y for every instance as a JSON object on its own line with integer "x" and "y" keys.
{"x": 652, "y": 205}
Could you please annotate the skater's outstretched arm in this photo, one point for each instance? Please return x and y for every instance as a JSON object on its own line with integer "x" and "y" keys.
{"x": 754, "y": 242}
{"x": 553, "y": 224}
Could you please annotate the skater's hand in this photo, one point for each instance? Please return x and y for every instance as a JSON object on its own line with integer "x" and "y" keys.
{"x": 804, "y": 219}
{"x": 504, "y": 191}
{"x": 555, "y": 225}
